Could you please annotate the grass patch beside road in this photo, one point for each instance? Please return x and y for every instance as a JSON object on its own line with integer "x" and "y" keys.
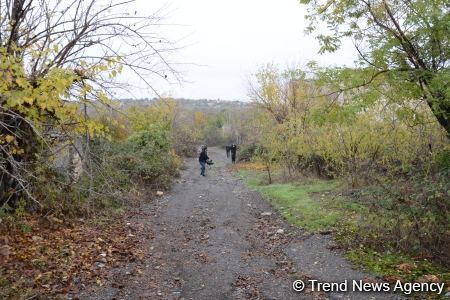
{"x": 316, "y": 205}
{"x": 305, "y": 205}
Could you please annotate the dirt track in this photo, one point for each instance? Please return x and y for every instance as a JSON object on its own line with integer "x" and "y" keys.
{"x": 210, "y": 241}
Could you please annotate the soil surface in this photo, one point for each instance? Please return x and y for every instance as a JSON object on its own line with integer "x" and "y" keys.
{"x": 213, "y": 238}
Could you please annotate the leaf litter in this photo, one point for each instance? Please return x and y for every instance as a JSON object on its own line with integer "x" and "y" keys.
{"x": 59, "y": 258}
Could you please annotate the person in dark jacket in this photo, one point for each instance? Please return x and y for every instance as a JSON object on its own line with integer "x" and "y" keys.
{"x": 203, "y": 157}
{"x": 233, "y": 153}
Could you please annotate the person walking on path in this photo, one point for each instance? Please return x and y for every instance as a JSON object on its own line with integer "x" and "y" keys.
{"x": 233, "y": 153}
{"x": 202, "y": 159}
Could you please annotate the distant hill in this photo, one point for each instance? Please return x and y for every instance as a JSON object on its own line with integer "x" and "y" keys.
{"x": 205, "y": 105}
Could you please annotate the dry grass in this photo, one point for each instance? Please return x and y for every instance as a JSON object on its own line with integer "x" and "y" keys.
{"x": 247, "y": 166}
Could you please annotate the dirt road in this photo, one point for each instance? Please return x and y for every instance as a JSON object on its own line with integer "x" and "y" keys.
{"x": 212, "y": 238}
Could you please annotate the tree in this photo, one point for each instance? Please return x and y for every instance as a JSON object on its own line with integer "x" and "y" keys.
{"x": 282, "y": 93}
{"x": 200, "y": 122}
{"x": 57, "y": 59}
{"x": 407, "y": 42}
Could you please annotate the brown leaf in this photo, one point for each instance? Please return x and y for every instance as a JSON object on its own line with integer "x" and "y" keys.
{"x": 393, "y": 278}
{"x": 56, "y": 220}
{"x": 36, "y": 238}
{"x": 429, "y": 278}
{"x": 405, "y": 267}
{"x": 4, "y": 250}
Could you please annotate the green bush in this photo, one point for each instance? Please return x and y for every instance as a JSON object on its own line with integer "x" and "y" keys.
{"x": 409, "y": 217}
{"x": 144, "y": 157}
{"x": 247, "y": 151}
{"x": 118, "y": 168}
{"x": 441, "y": 161}
{"x": 147, "y": 156}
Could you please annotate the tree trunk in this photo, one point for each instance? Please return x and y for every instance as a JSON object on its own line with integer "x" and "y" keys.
{"x": 441, "y": 110}
{"x": 438, "y": 103}
{"x": 269, "y": 173}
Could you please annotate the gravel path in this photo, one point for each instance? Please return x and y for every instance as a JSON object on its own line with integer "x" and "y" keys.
{"x": 212, "y": 238}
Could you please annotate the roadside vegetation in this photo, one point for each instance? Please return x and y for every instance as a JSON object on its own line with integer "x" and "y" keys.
{"x": 74, "y": 160}
{"x": 392, "y": 168}
{"x": 300, "y": 203}
{"x": 324, "y": 206}
{"x": 376, "y": 176}
{"x": 363, "y": 150}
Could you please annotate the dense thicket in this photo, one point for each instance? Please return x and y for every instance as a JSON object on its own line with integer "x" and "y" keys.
{"x": 394, "y": 155}
{"x": 59, "y": 63}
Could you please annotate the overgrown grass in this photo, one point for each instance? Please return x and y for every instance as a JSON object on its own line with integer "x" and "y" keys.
{"x": 317, "y": 205}
{"x": 395, "y": 266}
{"x": 300, "y": 204}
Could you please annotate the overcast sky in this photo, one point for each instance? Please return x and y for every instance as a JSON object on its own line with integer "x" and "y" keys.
{"x": 224, "y": 42}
